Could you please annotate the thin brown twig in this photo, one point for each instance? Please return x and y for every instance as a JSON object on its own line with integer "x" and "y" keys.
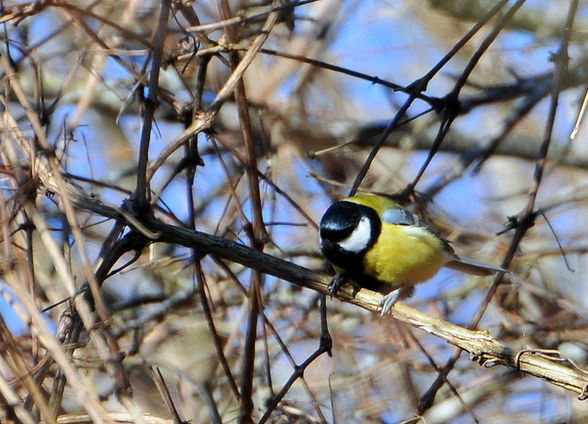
{"x": 142, "y": 191}
{"x": 414, "y": 90}
{"x": 525, "y": 220}
{"x": 257, "y": 233}
{"x": 451, "y": 109}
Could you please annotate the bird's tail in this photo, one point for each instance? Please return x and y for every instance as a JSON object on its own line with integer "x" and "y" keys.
{"x": 471, "y": 266}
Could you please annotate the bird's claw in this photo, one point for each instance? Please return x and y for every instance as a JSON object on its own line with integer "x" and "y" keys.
{"x": 337, "y": 282}
{"x": 388, "y": 301}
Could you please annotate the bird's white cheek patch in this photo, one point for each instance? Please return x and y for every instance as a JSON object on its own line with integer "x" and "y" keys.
{"x": 359, "y": 238}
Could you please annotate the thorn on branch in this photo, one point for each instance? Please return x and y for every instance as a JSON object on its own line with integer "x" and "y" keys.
{"x": 525, "y": 220}
{"x": 450, "y": 105}
{"x": 418, "y": 86}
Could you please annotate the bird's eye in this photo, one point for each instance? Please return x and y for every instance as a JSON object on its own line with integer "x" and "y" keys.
{"x": 336, "y": 230}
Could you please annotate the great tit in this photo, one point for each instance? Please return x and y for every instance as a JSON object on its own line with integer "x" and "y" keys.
{"x": 374, "y": 243}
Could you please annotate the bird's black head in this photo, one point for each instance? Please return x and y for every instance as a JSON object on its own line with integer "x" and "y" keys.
{"x": 347, "y": 231}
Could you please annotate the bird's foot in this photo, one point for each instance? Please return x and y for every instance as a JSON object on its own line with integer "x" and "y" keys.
{"x": 337, "y": 282}
{"x": 388, "y": 301}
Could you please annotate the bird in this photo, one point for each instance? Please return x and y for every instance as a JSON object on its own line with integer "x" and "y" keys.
{"x": 374, "y": 243}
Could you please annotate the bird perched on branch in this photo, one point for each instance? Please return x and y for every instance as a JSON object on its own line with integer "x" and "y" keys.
{"x": 374, "y": 243}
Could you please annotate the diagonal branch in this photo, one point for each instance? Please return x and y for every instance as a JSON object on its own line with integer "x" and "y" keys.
{"x": 481, "y": 346}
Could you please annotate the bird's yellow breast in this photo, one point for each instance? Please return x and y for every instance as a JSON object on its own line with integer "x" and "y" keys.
{"x": 404, "y": 255}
